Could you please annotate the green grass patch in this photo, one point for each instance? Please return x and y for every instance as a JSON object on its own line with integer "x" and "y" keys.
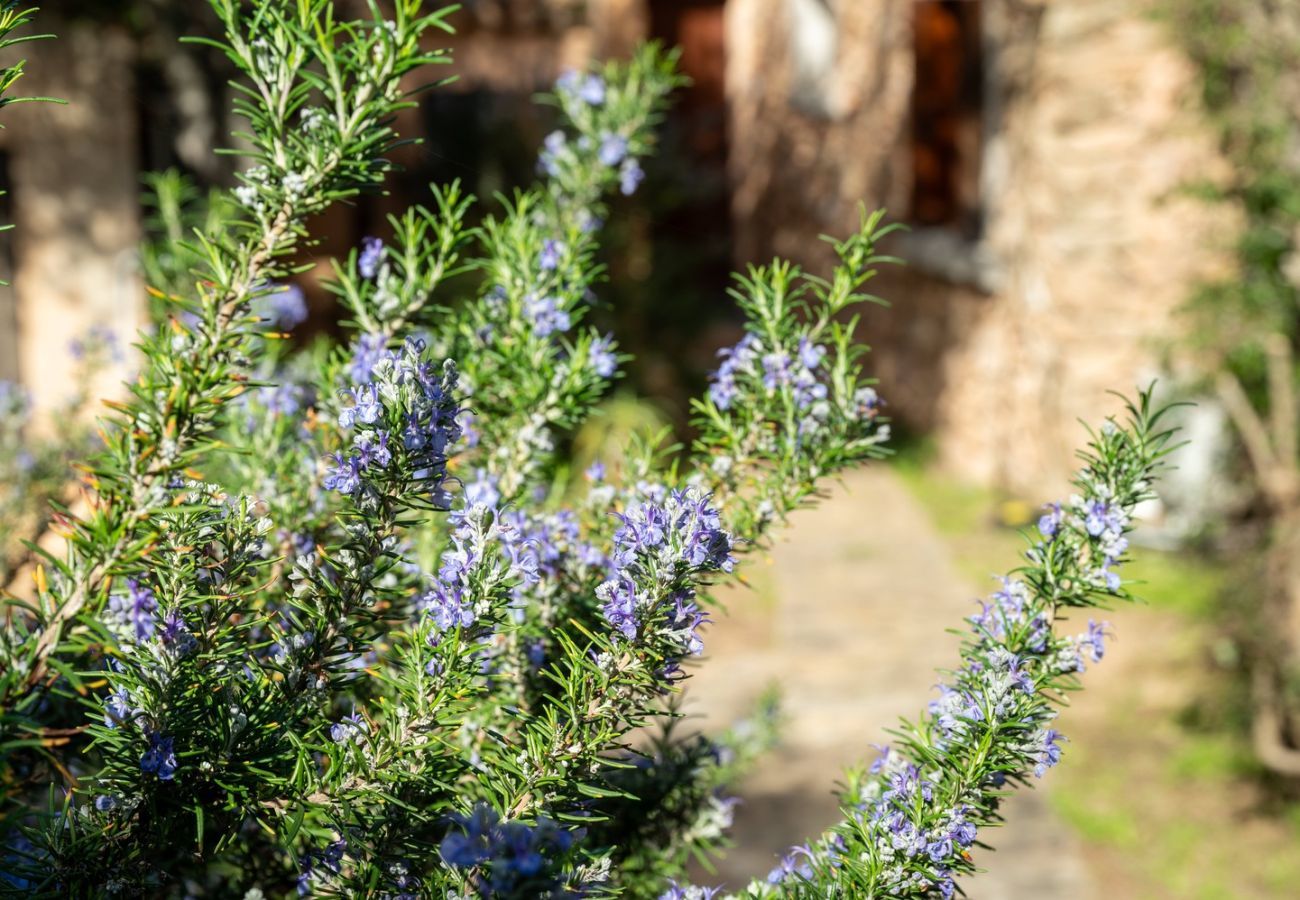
{"x": 1179, "y": 582}
{"x": 1220, "y": 757}
{"x": 1096, "y": 819}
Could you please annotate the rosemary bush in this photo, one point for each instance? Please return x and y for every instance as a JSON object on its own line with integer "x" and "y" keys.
{"x": 343, "y": 620}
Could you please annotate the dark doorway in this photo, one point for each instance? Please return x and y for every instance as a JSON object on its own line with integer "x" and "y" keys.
{"x": 946, "y": 113}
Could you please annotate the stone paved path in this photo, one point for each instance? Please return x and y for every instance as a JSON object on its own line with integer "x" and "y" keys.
{"x": 851, "y": 624}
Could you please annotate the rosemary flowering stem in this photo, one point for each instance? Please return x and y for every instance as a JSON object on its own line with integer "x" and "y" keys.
{"x": 196, "y": 376}
{"x": 912, "y": 821}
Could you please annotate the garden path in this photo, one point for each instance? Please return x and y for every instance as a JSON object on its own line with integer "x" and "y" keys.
{"x": 848, "y": 613}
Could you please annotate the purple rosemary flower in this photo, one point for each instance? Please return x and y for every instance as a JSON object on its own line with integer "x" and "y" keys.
{"x": 547, "y": 315}
{"x": 618, "y": 603}
{"x": 321, "y": 865}
{"x": 658, "y": 548}
{"x": 482, "y": 490}
{"x": 630, "y": 176}
{"x": 688, "y": 892}
{"x": 366, "y": 354}
{"x": 868, "y": 402}
{"x": 160, "y": 758}
{"x": 372, "y": 449}
{"x": 1050, "y": 522}
{"x": 683, "y": 624}
{"x": 345, "y": 477}
{"x": 552, "y": 148}
{"x": 1109, "y": 578}
{"x": 135, "y": 610}
{"x": 508, "y": 852}
{"x": 118, "y": 709}
{"x": 363, "y": 407}
{"x": 282, "y": 307}
{"x": 776, "y": 370}
{"x": 1095, "y": 520}
{"x": 590, "y": 89}
{"x": 349, "y": 730}
{"x": 603, "y": 361}
{"x": 735, "y": 361}
{"x": 176, "y": 636}
{"x": 549, "y": 259}
{"x": 613, "y": 149}
{"x": 881, "y": 761}
{"x": 1093, "y": 641}
{"x": 593, "y": 90}
{"x": 447, "y": 608}
{"x": 810, "y": 354}
{"x": 372, "y": 254}
{"x": 954, "y": 711}
{"x": 793, "y": 864}
{"x": 1049, "y": 752}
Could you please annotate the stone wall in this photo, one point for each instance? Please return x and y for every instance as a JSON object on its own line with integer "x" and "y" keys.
{"x": 999, "y": 344}
{"x": 76, "y": 205}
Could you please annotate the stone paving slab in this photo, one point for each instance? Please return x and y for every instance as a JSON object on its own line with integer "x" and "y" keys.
{"x": 851, "y": 625}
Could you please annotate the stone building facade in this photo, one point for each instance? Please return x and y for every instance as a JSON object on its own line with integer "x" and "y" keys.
{"x": 1038, "y": 148}
{"x": 1059, "y": 278}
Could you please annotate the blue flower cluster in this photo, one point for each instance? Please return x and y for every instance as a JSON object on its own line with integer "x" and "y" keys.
{"x": 504, "y": 855}
{"x": 1092, "y": 643}
{"x": 547, "y": 315}
{"x": 372, "y": 256}
{"x": 407, "y": 404}
{"x": 573, "y": 85}
{"x": 471, "y": 567}
{"x": 321, "y": 865}
{"x": 800, "y": 371}
{"x": 1100, "y": 525}
{"x": 601, "y": 356}
{"x": 351, "y": 729}
{"x": 796, "y": 863}
{"x": 892, "y": 818}
{"x": 160, "y": 757}
{"x": 797, "y": 372}
{"x": 735, "y": 361}
{"x": 661, "y": 545}
{"x": 447, "y": 603}
{"x": 176, "y": 635}
{"x": 118, "y": 708}
{"x": 580, "y": 93}
{"x": 542, "y": 547}
{"x": 277, "y": 401}
{"x": 135, "y": 611}
{"x": 1005, "y": 614}
{"x": 549, "y": 259}
{"x": 366, "y": 354}
{"x": 282, "y": 307}
{"x": 919, "y": 834}
{"x": 688, "y": 892}
{"x": 1048, "y": 751}
{"x": 987, "y": 693}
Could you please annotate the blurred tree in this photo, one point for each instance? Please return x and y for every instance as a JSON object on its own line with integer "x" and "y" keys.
{"x": 1248, "y": 56}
